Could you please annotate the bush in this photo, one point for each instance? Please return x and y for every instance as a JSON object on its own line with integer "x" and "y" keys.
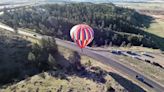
{"x": 89, "y": 63}
{"x": 52, "y": 62}
{"x": 8, "y": 73}
{"x": 31, "y": 57}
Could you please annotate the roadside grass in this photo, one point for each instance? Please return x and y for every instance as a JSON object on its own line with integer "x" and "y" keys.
{"x": 154, "y": 72}
{"x": 137, "y": 48}
{"x": 132, "y": 48}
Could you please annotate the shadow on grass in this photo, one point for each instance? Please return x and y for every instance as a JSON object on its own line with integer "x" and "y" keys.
{"x": 156, "y": 40}
{"x": 77, "y": 69}
{"x": 73, "y": 67}
{"x": 97, "y": 74}
{"x": 127, "y": 84}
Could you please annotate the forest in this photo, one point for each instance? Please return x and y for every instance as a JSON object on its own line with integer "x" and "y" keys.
{"x": 113, "y": 25}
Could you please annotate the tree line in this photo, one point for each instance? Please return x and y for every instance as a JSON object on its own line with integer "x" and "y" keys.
{"x": 112, "y": 25}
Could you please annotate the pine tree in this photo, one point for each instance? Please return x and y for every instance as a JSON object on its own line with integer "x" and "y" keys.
{"x": 123, "y": 44}
{"x": 52, "y": 62}
{"x": 110, "y": 44}
{"x": 129, "y": 45}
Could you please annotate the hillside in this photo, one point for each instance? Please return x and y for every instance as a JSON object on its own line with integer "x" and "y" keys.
{"x": 20, "y": 73}
{"x": 112, "y": 25}
{"x": 93, "y": 1}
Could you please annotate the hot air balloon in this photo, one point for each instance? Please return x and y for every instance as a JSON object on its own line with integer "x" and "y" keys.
{"x": 82, "y": 35}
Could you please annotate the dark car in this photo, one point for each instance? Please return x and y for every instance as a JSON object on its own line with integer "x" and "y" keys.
{"x": 139, "y": 78}
{"x": 148, "y": 55}
{"x": 117, "y": 52}
{"x": 142, "y": 80}
{"x": 132, "y": 53}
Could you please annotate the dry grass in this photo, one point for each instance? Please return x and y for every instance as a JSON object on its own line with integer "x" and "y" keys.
{"x": 74, "y": 83}
{"x": 133, "y": 48}
{"x": 95, "y": 63}
{"x": 52, "y": 84}
{"x": 156, "y": 28}
{"x": 154, "y": 6}
{"x": 153, "y": 72}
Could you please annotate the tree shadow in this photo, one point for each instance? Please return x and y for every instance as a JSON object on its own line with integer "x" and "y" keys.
{"x": 127, "y": 84}
{"x": 97, "y": 74}
{"x": 156, "y": 40}
{"x": 73, "y": 67}
{"x": 13, "y": 59}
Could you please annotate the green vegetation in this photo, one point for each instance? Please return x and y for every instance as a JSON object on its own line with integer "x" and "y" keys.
{"x": 82, "y": 81}
{"x": 156, "y": 28}
{"x": 13, "y": 61}
{"x": 112, "y": 25}
{"x": 20, "y": 59}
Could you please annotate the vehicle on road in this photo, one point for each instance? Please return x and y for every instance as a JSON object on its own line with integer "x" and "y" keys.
{"x": 139, "y": 78}
{"x": 143, "y": 81}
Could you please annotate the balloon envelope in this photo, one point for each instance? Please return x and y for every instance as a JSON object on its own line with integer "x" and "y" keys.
{"x": 82, "y": 35}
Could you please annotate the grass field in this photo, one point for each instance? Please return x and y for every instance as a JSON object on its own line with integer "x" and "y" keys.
{"x": 156, "y": 32}
{"x": 154, "y": 6}
{"x": 156, "y": 28}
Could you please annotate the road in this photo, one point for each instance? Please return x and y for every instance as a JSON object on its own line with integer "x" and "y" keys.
{"x": 98, "y": 56}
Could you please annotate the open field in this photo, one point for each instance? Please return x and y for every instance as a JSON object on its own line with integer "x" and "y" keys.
{"x": 153, "y": 6}
{"x": 156, "y": 28}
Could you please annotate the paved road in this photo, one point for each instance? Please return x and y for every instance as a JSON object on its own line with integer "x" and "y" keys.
{"x": 98, "y": 56}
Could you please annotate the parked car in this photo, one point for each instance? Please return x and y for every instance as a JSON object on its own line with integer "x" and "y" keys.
{"x": 148, "y": 55}
{"x": 117, "y": 52}
{"x": 132, "y": 53}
